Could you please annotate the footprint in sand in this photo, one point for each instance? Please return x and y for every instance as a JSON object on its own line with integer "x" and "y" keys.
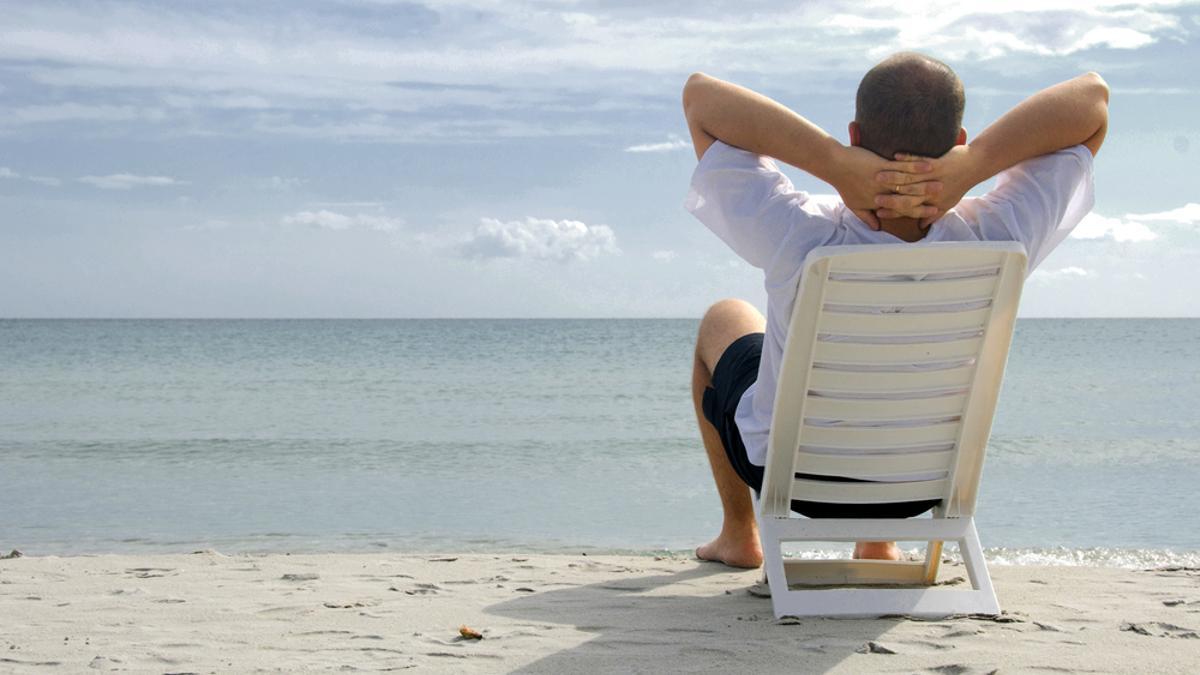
{"x": 960, "y": 669}
{"x": 150, "y": 572}
{"x": 420, "y": 589}
{"x": 1179, "y": 602}
{"x": 1161, "y": 629}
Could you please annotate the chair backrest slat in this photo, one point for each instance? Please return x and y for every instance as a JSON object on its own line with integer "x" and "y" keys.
{"x": 825, "y": 380}
{"x": 868, "y": 493}
{"x": 832, "y": 351}
{"x": 891, "y": 372}
{"x": 859, "y": 437}
{"x": 876, "y": 466}
{"x": 889, "y": 292}
{"x": 902, "y": 323}
{"x": 882, "y": 410}
{"x": 972, "y": 258}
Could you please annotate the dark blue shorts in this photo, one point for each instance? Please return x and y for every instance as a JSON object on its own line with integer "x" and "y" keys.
{"x": 736, "y": 370}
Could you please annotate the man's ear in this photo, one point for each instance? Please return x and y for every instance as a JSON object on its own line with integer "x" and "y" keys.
{"x": 855, "y": 134}
{"x": 962, "y": 137}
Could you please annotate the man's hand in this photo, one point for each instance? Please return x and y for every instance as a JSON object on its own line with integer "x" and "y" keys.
{"x": 1066, "y": 114}
{"x": 911, "y": 186}
{"x": 954, "y": 172}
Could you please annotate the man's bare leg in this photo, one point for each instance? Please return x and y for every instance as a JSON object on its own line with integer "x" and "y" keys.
{"x": 737, "y": 544}
{"x": 876, "y": 550}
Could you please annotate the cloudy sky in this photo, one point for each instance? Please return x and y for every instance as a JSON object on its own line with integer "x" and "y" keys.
{"x": 477, "y": 158}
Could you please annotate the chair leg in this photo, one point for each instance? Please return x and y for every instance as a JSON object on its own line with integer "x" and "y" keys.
{"x": 933, "y": 559}
{"x": 972, "y": 554}
{"x": 774, "y": 573}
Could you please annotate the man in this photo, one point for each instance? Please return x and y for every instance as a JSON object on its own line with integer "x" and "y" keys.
{"x": 902, "y": 179}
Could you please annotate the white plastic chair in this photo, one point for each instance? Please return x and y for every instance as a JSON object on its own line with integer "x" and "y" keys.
{"x": 890, "y": 374}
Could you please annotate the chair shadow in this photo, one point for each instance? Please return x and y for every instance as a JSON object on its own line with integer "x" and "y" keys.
{"x": 685, "y": 620}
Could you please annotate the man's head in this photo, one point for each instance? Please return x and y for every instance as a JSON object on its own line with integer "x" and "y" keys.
{"x": 909, "y": 103}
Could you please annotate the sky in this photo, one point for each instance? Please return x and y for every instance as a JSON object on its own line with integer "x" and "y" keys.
{"x": 500, "y": 158}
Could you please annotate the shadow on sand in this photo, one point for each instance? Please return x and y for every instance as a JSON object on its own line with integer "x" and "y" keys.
{"x": 697, "y": 617}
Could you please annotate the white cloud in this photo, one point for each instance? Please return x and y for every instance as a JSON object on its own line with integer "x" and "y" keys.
{"x": 1096, "y": 226}
{"x": 664, "y": 256}
{"x": 358, "y": 204}
{"x": 332, "y": 220}
{"x": 210, "y": 224}
{"x": 539, "y": 239}
{"x": 77, "y": 112}
{"x": 126, "y": 181}
{"x": 281, "y": 183}
{"x": 1071, "y": 272}
{"x": 1113, "y": 36}
{"x": 961, "y": 31}
{"x": 673, "y": 142}
{"x": 6, "y": 172}
{"x": 1188, "y": 213}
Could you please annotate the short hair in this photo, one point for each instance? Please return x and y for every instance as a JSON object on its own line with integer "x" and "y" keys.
{"x": 909, "y": 103}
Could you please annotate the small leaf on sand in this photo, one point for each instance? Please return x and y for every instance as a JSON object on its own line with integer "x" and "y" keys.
{"x": 1002, "y": 617}
{"x": 306, "y": 576}
{"x": 952, "y": 581}
{"x": 469, "y": 633}
{"x": 759, "y": 591}
{"x": 875, "y": 648}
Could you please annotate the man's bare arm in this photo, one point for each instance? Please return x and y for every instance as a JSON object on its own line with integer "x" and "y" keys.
{"x": 1069, "y": 113}
{"x": 716, "y": 109}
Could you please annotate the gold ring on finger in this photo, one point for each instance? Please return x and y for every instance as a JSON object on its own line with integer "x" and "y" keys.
{"x": 896, "y": 188}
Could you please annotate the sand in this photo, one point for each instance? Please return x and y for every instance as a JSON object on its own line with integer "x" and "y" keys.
{"x": 207, "y": 612}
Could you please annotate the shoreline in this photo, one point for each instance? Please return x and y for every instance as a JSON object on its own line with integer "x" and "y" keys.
{"x": 1132, "y": 558}
{"x": 212, "y": 612}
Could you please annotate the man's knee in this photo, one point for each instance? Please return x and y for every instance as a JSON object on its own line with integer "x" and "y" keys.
{"x": 725, "y": 321}
{"x": 729, "y": 310}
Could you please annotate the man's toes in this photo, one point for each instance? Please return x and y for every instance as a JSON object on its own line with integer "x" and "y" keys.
{"x": 708, "y": 553}
{"x": 745, "y": 556}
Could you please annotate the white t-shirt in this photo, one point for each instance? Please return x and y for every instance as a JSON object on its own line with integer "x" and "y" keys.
{"x": 753, "y": 207}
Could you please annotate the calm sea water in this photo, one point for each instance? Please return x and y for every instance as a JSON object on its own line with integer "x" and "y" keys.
{"x": 422, "y": 435}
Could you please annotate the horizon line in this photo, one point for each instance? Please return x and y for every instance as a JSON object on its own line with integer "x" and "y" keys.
{"x": 481, "y": 318}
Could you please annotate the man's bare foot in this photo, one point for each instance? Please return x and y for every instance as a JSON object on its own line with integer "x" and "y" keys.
{"x": 733, "y": 551}
{"x": 876, "y": 550}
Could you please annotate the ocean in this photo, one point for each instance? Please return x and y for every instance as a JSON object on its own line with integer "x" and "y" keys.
{"x": 529, "y": 435}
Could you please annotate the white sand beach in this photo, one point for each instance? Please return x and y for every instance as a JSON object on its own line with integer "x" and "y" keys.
{"x": 212, "y": 613}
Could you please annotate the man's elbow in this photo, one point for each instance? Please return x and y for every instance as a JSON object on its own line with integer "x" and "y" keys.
{"x": 1099, "y": 93}
{"x": 1098, "y": 86}
{"x": 692, "y": 87}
